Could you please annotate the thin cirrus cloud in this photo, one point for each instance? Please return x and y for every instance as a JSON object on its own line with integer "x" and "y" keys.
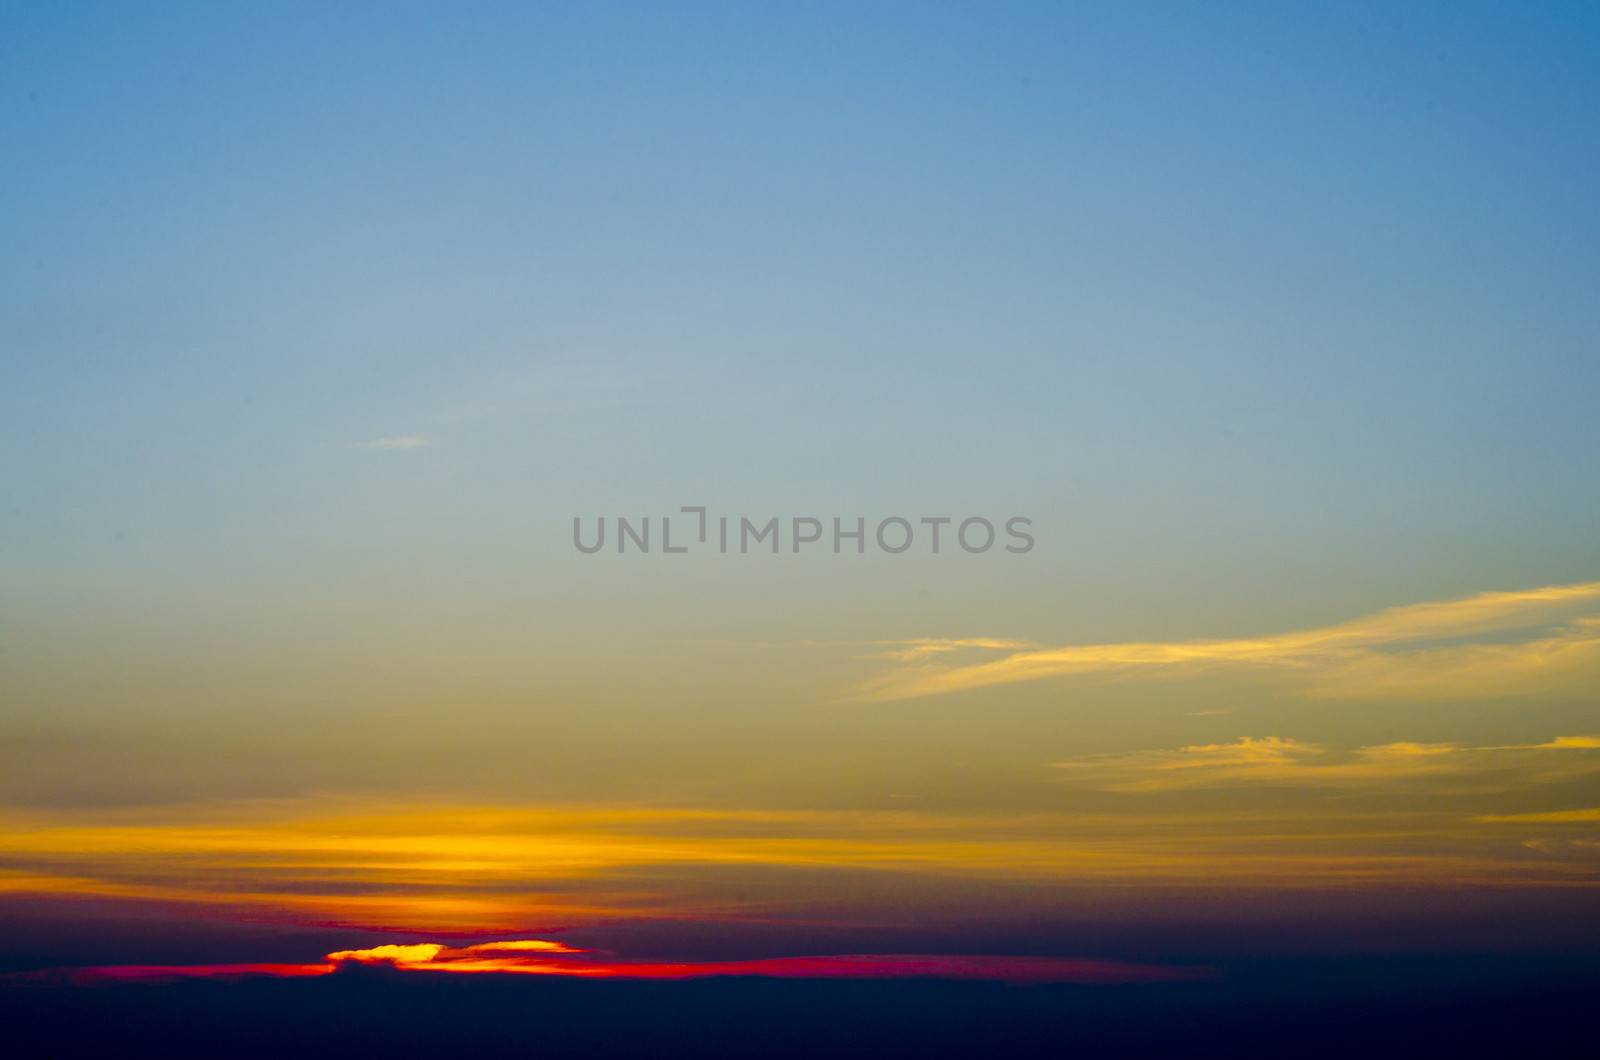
{"x": 1491, "y": 644}
{"x": 923, "y": 648}
{"x": 1278, "y": 761}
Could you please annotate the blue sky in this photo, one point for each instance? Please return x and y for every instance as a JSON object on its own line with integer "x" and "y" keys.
{"x": 1267, "y": 316}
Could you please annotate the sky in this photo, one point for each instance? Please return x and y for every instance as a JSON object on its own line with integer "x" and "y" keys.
{"x": 319, "y": 327}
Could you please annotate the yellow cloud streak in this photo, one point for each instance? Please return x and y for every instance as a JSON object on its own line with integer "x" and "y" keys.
{"x": 1584, "y": 816}
{"x": 1273, "y": 760}
{"x": 501, "y": 868}
{"x": 1343, "y": 659}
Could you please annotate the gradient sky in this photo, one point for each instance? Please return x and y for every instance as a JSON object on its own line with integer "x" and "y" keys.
{"x": 319, "y": 326}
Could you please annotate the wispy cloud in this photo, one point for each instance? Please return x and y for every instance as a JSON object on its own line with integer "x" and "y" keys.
{"x": 922, "y": 648}
{"x": 397, "y": 443}
{"x": 1484, "y": 645}
{"x": 1277, "y": 761}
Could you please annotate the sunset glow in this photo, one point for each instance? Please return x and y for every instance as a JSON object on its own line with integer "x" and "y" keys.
{"x": 892, "y": 530}
{"x": 561, "y": 960}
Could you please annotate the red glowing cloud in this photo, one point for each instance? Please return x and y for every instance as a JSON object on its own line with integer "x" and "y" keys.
{"x": 546, "y": 957}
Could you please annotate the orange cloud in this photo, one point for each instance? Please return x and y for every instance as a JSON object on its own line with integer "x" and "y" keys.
{"x": 435, "y": 956}
{"x": 492, "y": 870}
{"x": 414, "y": 953}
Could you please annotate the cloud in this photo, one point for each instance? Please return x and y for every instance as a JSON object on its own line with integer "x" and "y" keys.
{"x": 481, "y": 870}
{"x": 1277, "y": 761}
{"x": 1586, "y": 743}
{"x": 514, "y": 955}
{"x": 928, "y": 647}
{"x": 397, "y": 443}
{"x": 1474, "y": 671}
{"x": 523, "y": 945}
{"x": 414, "y": 953}
{"x": 562, "y": 960}
{"x": 1491, "y": 644}
{"x": 1589, "y": 815}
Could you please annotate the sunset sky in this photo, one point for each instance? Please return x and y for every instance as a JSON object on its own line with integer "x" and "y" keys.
{"x": 319, "y": 325}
